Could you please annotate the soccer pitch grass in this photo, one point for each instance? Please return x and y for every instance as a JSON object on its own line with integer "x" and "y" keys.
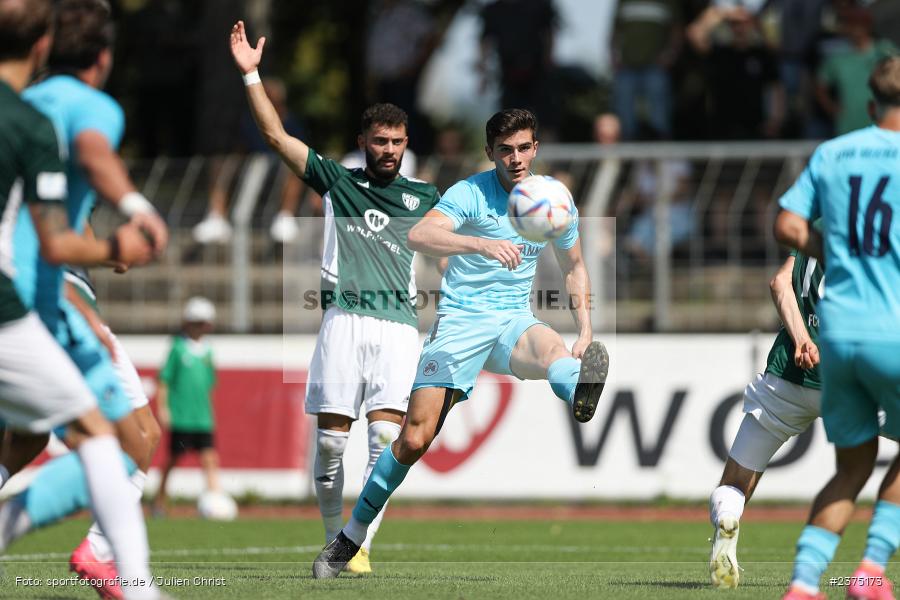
{"x": 412, "y": 559}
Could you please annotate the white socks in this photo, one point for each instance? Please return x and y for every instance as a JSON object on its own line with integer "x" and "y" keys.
{"x": 103, "y": 552}
{"x": 725, "y": 500}
{"x": 328, "y": 473}
{"x": 14, "y": 522}
{"x": 381, "y": 434}
{"x": 112, "y": 499}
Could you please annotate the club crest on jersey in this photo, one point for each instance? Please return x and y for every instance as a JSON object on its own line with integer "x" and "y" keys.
{"x": 411, "y": 202}
{"x": 430, "y": 368}
{"x": 376, "y": 220}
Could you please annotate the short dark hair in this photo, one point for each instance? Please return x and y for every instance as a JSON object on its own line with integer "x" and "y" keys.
{"x": 885, "y": 82}
{"x": 383, "y": 114}
{"x": 83, "y": 29}
{"x": 508, "y": 121}
{"x": 22, "y": 23}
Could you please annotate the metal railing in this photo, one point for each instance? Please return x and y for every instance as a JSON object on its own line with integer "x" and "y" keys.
{"x": 691, "y": 247}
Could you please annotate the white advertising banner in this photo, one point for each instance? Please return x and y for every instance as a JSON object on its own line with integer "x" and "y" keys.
{"x": 663, "y": 426}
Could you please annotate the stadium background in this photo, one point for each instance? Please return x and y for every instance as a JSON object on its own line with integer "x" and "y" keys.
{"x": 677, "y": 217}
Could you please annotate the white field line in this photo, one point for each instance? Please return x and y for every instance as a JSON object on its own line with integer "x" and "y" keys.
{"x": 257, "y": 550}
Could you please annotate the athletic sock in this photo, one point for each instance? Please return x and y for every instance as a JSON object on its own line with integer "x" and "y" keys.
{"x": 100, "y": 547}
{"x": 380, "y": 433}
{"x": 563, "y": 377}
{"x": 386, "y": 476}
{"x": 726, "y": 500}
{"x": 119, "y": 516}
{"x": 815, "y": 549}
{"x": 60, "y": 488}
{"x": 328, "y": 474}
{"x": 884, "y": 533}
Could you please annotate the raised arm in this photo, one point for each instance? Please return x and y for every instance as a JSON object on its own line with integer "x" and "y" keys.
{"x": 434, "y": 236}
{"x": 806, "y": 355}
{"x": 578, "y": 286}
{"x": 292, "y": 151}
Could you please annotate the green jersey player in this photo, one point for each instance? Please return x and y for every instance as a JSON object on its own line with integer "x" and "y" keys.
{"x": 368, "y": 344}
{"x": 782, "y": 402}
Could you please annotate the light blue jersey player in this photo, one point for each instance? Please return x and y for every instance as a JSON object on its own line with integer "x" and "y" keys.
{"x": 853, "y": 184}
{"x": 74, "y": 108}
{"x": 484, "y": 320}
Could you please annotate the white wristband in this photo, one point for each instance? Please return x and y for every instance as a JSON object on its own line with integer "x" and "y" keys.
{"x": 134, "y": 203}
{"x": 252, "y": 77}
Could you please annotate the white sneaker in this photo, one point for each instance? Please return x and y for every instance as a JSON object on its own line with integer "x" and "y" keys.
{"x": 723, "y": 565}
{"x": 214, "y": 229}
{"x": 284, "y": 228}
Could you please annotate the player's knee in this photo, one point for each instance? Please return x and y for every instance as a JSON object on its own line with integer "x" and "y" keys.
{"x": 329, "y": 445}
{"x": 412, "y": 446}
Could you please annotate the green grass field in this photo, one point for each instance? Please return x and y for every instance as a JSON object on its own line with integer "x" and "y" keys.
{"x": 263, "y": 559}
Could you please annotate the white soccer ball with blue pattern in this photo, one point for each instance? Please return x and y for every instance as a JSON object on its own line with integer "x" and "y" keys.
{"x": 541, "y": 208}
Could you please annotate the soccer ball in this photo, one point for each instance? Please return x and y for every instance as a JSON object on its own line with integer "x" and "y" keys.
{"x": 541, "y": 208}
{"x": 217, "y": 506}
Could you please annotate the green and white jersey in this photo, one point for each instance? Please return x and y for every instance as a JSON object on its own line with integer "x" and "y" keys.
{"x": 30, "y": 171}
{"x": 367, "y": 267}
{"x": 808, "y": 281}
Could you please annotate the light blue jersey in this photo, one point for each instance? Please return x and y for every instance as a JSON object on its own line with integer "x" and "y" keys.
{"x": 73, "y": 107}
{"x": 478, "y": 207}
{"x": 853, "y": 183}
{"x": 485, "y": 308}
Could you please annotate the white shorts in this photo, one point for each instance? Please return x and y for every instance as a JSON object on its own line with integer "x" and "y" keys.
{"x": 40, "y": 386}
{"x": 783, "y": 408}
{"x": 361, "y": 360}
{"x": 128, "y": 375}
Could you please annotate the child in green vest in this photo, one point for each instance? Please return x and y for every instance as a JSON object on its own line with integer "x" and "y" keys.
{"x": 185, "y": 396}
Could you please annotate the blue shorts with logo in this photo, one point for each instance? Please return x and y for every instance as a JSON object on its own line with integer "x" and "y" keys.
{"x": 461, "y": 343}
{"x": 77, "y": 338}
{"x": 858, "y": 378}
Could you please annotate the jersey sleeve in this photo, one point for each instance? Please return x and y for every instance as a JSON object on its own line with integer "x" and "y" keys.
{"x": 459, "y": 203}
{"x": 101, "y": 114}
{"x": 45, "y": 175}
{"x": 568, "y": 239}
{"x": 802, "y": 197}
{"x": 167, "y": 375}
{"x": 322, "y": 173}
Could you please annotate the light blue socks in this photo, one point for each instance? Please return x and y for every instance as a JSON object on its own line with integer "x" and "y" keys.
{"x": 387, "y": 475}
{"x": 884, "y": 533}
{"x": 815, "y": 549}
{"x": 59, "y": 489}
{"x": 563, "y": 377}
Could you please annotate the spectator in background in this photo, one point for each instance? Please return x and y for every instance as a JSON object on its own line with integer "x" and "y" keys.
{"x": 646, "y": 41}
{"x": 745, "y": 98}
{"x": 446, "y": 165}
{"x": 215, "y": 228}
{"x": 842, "y": 90}
{"x": 607, "y": 129}
{"x": 800, "y": 25}
{"x": 520, "y": 32}
{"x": 401, "y": 38}
{"x": 184, "y": 400}
{"x": 647, "y": 179}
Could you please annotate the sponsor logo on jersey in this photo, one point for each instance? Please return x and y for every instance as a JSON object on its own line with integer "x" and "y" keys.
{"x": 430, "y": 368}
{"x": 411, "y": 202}
{"x": 364, "y": 184}
{"x": 376, "y": 220}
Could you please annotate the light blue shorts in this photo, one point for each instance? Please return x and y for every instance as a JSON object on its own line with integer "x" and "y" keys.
{"x": 460, "y": 344}
{"x": 858, "y": 378}
{"x": 93, "y": 360}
